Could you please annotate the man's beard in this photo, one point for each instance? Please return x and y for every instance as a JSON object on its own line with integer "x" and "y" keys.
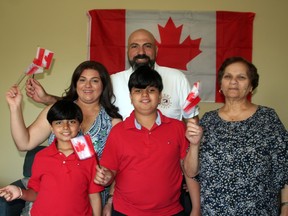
{"x": 134, "y": 64}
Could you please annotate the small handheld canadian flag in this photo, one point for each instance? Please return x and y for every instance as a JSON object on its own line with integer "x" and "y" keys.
{"x": 42, "y": 61}
{"x": 193, "y": 98}
{"x": 83, "y": 147}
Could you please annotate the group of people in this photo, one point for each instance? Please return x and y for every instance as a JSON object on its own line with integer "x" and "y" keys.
{"x": 234, "y": 160}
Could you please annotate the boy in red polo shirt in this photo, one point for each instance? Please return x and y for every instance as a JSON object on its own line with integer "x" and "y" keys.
{"x": 61, "y": 184}
{"x": 144, "y": 153}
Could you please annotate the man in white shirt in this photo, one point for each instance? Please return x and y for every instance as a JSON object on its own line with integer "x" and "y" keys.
{"x": 142, "y": 50}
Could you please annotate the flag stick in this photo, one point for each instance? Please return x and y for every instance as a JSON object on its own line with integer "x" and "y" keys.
{"x": 20, "y": 79}
{"x": 97, "y": 159}
{"x": 194, "y": 112}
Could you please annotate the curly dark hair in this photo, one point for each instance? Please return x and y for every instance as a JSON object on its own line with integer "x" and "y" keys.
{"x": 107, "y": 97}
{"x": 252, "y": 70}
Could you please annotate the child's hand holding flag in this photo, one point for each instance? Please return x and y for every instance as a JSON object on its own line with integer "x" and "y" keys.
{"x": 84, "y": 148}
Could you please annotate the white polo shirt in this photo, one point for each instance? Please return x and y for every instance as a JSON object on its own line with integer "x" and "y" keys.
{"x": 175, "y": 90}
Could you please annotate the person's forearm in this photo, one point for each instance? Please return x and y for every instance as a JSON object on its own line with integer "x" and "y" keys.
{"x": 111, "y": 193}
{"x": 95, "y": 201}
{"x": 51, "y": 99}
{"x": 107, "y": 209}
{"x": 191, "y": 163}
{"x": 194, "y": 193}
{"x": 284, "y": 201}
{"x": 28, "y": 195}
{"x": 284, "y": 194}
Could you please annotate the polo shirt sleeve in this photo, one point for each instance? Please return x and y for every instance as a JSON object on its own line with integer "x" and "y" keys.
{"x": 34, "y": 181}
{"x": 112, "y": 151}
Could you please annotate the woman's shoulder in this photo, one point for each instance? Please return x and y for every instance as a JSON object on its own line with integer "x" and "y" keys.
{"x": 268, "y": 114}
{"x": 115, "y": 121}
{"x": 210, "y": 117}
{"x": 265, "y": 111}
{"x": 210, "y": 114}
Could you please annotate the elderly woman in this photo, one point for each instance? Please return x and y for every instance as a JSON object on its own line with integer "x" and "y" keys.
{"x": 243, "y": 154}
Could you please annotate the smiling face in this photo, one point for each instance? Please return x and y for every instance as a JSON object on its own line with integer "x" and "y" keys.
{"x": 141, "y": 49}
{"x": 89, "y": 86}
{"x": 65, "y": 129}
{"x": 235, "y": 83}
{"x": 145, "y": 101}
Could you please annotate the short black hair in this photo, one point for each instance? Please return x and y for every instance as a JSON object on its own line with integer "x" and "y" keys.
{"x": 145, "y": 76}
{"x": 64, "y": 109}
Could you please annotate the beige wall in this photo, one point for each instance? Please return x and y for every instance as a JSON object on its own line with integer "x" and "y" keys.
{"x": 61, "y": 26}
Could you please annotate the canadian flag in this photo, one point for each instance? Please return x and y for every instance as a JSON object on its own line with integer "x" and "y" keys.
{"x": 193, "y": 98}
{"x": 43, "y": 60}
{"x": 83, "y": 146}
{"x": 194, "y": 42}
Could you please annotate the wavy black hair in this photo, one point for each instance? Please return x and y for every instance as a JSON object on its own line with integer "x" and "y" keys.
{"x": 107, "y": 97}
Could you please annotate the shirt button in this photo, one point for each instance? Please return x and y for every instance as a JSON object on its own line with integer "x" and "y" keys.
{"x": 64, "y": 162}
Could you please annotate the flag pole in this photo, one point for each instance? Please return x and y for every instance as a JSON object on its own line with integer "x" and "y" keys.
{"x": 20, "y": 79}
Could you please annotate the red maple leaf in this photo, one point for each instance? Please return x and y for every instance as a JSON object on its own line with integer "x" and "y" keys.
{"x": 80, "y": 146}
{"x": 170, "y": 52}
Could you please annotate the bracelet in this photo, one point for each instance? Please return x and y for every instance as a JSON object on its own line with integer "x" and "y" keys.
{"x": 284, "y": 203}
{"x": 21, "y": 193}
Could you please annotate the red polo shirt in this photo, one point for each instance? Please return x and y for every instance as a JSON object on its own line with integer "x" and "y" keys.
{"x": 63, "y": 183}
{"x": 149, "y": 175}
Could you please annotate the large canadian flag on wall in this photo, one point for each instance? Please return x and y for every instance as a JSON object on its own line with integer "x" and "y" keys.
{"x": 194, "y": 42}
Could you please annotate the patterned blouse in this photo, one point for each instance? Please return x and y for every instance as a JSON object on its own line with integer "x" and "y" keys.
{"x": 98, "y": 132}
{"x": 243, "y": 164}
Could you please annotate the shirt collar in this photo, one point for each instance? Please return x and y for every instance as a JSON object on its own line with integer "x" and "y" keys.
{"x": 52, "y": 148}
{"x": 157, "y": 121}
{"x": 129, "y": 122}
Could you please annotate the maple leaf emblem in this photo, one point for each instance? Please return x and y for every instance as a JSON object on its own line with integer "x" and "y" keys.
{"x": 170, "y": 52}
{"x": 79, "y": 147}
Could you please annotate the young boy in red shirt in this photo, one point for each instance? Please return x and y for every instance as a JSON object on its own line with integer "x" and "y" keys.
{"x": 61, "y": 184}
{"x": 144, "y": 153}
